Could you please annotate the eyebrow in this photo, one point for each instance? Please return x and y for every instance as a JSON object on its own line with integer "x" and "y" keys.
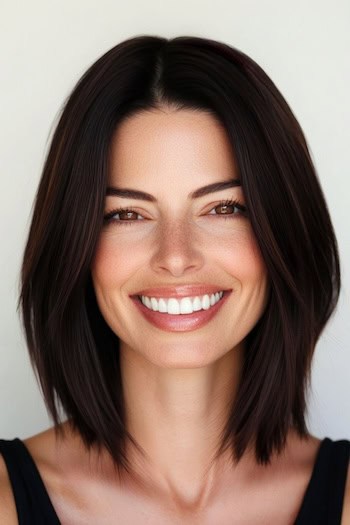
{"x": 128, "y": 193}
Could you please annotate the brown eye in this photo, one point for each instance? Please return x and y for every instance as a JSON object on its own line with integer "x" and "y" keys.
{"x": 228, "y": 208}
{"x": 122, "y": 215}
{"x": 127, "y": 214}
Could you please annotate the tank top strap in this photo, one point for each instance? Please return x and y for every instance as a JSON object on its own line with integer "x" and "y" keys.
{"x": 32, "y": 501}
{"x": 324, "y": 496}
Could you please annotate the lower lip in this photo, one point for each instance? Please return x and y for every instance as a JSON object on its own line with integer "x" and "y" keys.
{"x": 180, "y": 322}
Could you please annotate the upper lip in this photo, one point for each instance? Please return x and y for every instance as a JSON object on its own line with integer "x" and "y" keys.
{"x": 181, "y": 291}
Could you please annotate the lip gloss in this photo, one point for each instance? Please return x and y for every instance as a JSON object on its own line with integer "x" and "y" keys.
{"x": 180, "y": 322}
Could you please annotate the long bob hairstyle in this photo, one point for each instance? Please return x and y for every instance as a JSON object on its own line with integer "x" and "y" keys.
{"x": 74, "y": 353}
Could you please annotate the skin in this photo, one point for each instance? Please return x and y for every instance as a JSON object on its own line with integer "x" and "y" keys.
{"x": 183, "y": 381}
{"x": 177, "y": 386}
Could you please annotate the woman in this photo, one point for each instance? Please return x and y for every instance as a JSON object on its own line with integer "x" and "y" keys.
{"x": 180, "y": 268}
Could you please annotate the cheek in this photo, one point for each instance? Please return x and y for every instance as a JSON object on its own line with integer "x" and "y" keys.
{"x": 241, "y": 257}
{"x": 237, "y": 253}
{"x": 252, "y": 263}
{"x": 110, "y": 263}
{"x": 245, "y": 264}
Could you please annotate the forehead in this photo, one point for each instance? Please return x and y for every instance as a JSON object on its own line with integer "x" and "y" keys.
{"x": 166, "y": 146}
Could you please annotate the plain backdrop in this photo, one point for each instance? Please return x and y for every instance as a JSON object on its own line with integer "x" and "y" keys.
{"x": 45, "y": 46}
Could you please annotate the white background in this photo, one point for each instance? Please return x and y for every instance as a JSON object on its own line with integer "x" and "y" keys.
{"x": 45, "y": 46}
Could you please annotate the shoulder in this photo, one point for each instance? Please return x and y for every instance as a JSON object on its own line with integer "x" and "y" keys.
{"x": 7, "y": 501}
{"x": 39, "y": 446}
{"x": 346, "y": 505}
{"x": 339, "y": 456}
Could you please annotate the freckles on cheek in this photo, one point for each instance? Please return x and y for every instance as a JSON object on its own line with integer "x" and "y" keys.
{"x": 112, "y": 264}
{"x": 243, "y": 257}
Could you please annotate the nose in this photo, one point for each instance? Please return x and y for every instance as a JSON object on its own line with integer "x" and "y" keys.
{"x": 177, "y": 251}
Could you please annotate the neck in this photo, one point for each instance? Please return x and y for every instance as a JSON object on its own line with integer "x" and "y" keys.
{"x": 177, "y": 416}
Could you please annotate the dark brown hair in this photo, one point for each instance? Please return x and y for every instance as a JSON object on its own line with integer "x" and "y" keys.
{"x": 74, "y": 352}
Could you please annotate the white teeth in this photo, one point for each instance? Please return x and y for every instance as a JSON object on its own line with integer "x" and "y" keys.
{"x": 154, "y": 304}
{"x": 162, "y": 305}
{"x": 174, "y": 306}
{"x": 197, "y": 304}
{"x": 187, "y": 305}
{"x": 206, "y": 302}
{"x": 147, "y": 302}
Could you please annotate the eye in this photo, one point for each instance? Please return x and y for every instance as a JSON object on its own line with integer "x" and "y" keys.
{"x": 124, "y": 214}
{"x": 228, "y": 208}
{"x": 128, "y": 216}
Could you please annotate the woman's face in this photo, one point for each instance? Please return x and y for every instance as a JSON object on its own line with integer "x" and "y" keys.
{"x": 177, "y": 245}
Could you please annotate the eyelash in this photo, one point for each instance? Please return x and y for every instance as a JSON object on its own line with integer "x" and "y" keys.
{"x": 108, "y": 218}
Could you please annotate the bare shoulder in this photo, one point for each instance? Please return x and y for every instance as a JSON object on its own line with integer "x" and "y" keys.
{"x": 41, "y": 447}
{"x": 51, "y": 452}
{"x": 50, "y": 448}
{"x": 346, "y": 505}
{"x": 7, "y": 502}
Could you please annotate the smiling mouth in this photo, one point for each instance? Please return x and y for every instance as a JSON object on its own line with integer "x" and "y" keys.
{"x": 181, "y": 322}
{"x": 183, "y": 305}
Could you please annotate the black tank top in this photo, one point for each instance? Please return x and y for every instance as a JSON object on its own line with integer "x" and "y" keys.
{"x": 322, "y": 503}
